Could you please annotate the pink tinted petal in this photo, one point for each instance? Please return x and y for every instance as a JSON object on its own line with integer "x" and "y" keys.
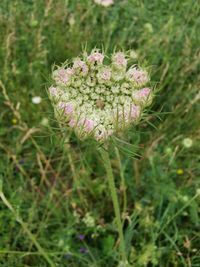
{"x": 96, "y": 57}
{"x": 63, "y": 76}
{"x": 144, "y": 92}
{"x": 119, "y": 59}
{"x": 139, "y": 76}
{"x": 72, "y": 123}
{"x": 69, "y": 71}
{"x": 81, "y": 65}
{"x": 61, "y": 105}
{"x": 142, "y": 95}
{"x": 53, "y": 91}
{"x": 69, "y": 108}
{"x": 135, "y": 111}
{"x": 89, "y": 125}
{"x": 105, "y": 74}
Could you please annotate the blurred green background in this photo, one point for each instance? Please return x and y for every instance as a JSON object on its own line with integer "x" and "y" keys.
{"x": 57, "y": 189}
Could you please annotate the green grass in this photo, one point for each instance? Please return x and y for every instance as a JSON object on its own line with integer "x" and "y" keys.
{"x": 54, "y": 189}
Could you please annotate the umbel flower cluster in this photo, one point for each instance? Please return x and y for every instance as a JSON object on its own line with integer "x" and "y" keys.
{"x": 97, "y": 99}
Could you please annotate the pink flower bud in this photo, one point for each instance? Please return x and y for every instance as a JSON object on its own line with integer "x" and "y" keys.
{"x": 138, "y": 76}
{"x": 80, "y": 65}
{"x": 89, "y": 125}
{"x": 141, "y": 96}
{"x": 96, "y": 57}
{"x": 53, "y": 91}
{"x": 68, "y": 108}
{"x": 104, "y": 74}
{"x": 135, "y": 111}
{"x": 62, "y": 76}
{"x": 119, "y": 59}
{"x": 144, "y": 92}
{"x": 61, "y": 105}
{"x": 72, "y": 123}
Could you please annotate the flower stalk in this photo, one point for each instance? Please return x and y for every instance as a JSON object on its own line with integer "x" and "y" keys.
{"x": 113, "y": 191}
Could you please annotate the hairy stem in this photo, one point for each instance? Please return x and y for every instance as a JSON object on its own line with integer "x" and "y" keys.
{"x": 113, "y": 191}
{"x": 123, "y": 184}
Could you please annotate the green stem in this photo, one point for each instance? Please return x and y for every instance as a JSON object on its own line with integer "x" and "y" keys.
{"x": 25, "y": 228}
{"x": 111, "y": 182}
{"x": 123, "y": 185}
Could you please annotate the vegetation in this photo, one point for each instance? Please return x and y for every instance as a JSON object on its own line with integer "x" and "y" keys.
{"x": 56, "y": 208}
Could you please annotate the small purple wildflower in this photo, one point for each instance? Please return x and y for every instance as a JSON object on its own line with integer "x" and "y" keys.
{"x": 81, "y": 237}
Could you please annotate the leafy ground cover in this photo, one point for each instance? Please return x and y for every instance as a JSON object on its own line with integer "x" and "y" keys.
{"x": 56, "y": 208}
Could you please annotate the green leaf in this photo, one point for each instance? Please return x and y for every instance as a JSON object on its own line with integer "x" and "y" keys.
{"x": 108, "y": 243}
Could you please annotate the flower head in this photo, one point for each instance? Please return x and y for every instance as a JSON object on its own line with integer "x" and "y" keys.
{"x": 187, "y": 142}
{"x": 81, "y": 236}
{"x": 62, "y": 76}
{"x": 36, "y": 100}
{"x": 53, "y": 91}
{"x": 141, "y": 96}
{"x": 66, "y": 108}
{"x": 104, "y": 74}
{"x": 95, "y": 57}
{"x": 89, "y": 125}
{"x": 140, "y": 77}
{"x": 119, "y": 60}
{"x": 80, "y": 66}
{"x": 97, "y": 99}
{"x": 104, "y": 3}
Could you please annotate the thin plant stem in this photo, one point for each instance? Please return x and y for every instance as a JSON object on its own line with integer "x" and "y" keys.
{"x": 111, "y": 182}
{"x": 123, "y": 184}
{"x": 25, "y": 228}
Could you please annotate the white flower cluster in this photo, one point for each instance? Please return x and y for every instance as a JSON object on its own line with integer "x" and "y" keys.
{"x": 97, "y": 99}
{"x": 105, "y": 3}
